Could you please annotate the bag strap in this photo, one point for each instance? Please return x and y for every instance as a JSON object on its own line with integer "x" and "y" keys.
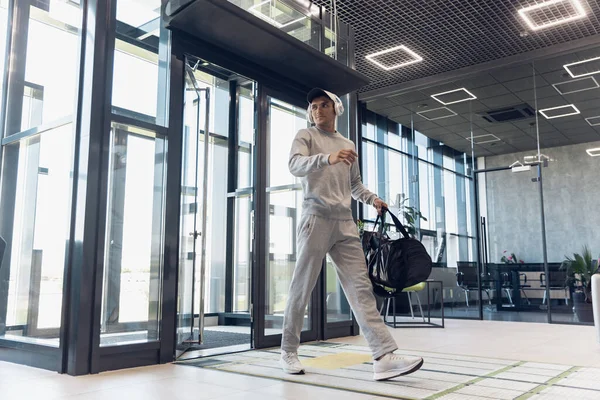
{"x": 397, "y": 223}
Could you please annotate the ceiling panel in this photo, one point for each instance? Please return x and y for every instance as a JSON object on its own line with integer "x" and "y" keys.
{"x": 449, "y": 34}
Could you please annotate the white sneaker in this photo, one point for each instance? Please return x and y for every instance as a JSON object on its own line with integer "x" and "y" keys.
{"x": 392, "y": 365}
{"x": 290, "y": 363}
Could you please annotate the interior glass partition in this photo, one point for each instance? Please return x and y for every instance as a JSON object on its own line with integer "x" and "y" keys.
{"x": 568, "y": 99}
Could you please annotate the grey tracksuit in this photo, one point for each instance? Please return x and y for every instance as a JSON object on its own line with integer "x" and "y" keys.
{"x": 327, "y": 226}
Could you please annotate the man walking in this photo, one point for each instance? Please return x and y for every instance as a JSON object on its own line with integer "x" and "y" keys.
{"x": 327, "y": 164}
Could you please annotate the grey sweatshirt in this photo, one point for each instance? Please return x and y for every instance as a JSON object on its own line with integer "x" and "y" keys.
{"x": 327, "y": 188}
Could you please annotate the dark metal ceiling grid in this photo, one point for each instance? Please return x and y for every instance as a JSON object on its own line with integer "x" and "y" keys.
{"x": 449, "y": 34}
{"x": 498, "y": 89}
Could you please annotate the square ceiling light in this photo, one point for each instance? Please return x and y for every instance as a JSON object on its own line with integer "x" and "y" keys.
{"x": 396, "y": 57}
{"x": 551, "y": 13}
{"x": 583, "y": 68}
{"x": 576, "y": 85}
{"x": 560, "y": 111}
{"x": 268, "y": 11}
{"x": 593, "y": 152}
{"x": 482, "y": 139}
{"x": 593, "y": 121}
{"x": 437, "y": 113}
{"x": 454, "y": 96}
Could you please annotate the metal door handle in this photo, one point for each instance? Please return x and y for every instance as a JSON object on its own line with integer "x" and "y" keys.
{"x": 195, "y": 234}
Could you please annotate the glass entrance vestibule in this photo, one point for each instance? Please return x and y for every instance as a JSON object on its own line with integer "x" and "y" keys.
{"x": 146, "y": 204}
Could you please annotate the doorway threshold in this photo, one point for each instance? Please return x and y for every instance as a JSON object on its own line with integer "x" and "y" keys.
{"x": 215, "y": 352}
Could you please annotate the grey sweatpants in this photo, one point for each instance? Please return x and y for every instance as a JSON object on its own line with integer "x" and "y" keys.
{"x": 318, "y": 236}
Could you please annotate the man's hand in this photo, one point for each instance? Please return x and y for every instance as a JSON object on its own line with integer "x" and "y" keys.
{"x": 346, "y": 156}
{"x": 380, "y": 205}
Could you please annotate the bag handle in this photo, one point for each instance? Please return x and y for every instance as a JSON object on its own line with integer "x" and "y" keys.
{"x": 397, "y": 223}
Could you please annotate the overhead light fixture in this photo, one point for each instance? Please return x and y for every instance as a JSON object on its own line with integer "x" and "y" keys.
{"x": 396, "y": 57}
{"x": 454, "y": 96}
{"x": 551, "y": 13}
{"x": 256, "y": 11}
{"x": 482, "y": 139}
{"x": 587, "y": 67}
{"x": 576, "y": 85}
{"x": 593, "y": 121}
{"x": 535, "y": 159}
{"x": 551, "y": 113}
{"x": 593, "y": 152}
{"x": 437, "y": 113}
{"x": 517, "y": 166}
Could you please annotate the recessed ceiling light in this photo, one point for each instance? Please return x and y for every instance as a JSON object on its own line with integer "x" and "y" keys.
{"x": 255, "y": 10}
{"x": 593, "y": 121}
{"x": 551, "y": 13}
{"x": 454, "y": 96}
{"x": 583, "y": 68}
{"x": 396, "y": 57}
{"x": 576, "y": 85}
{"x": 482, "y": 139}
{"x": 593, "y": 152}
{"x": 551, "y": 113}
{"x": 437, "y": 113}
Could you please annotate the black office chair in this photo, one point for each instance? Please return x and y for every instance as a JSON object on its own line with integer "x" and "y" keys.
{"x": 558, "y": 281}
{"x": 466, "y": 279}
{"x": 523, "y": 285}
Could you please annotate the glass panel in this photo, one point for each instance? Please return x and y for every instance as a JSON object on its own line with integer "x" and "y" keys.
{"x": 3, "y": 31}
{"x": 336, "y": 48}
{"x": 242, "y": 269}
{"x": 138, "y": 94}
{"x": 246, "y": 128}
{"x": 134, "y": 237}
{"x": 285, "y": 209}
{"x": 191, "y": 196}
{"x": 338, "y": 308}
{"x": 40, "y": 172}
{"x": 242, "y": 272}
{"x": 285, "y": 17}
{"x": 370, "y": 176}
{"x": 52, "y": 63}
{"x": 216, "y": 223}
{"x": 569, "y": 149}
{"x": 219, "y": 103}
{"x": 216, "y": 227}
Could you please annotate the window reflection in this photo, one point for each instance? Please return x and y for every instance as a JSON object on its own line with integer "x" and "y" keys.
{"x": 134, "y": 236}
{"x": 35, "y": 257}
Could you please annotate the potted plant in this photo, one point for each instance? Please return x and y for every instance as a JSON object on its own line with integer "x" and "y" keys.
{"x": 511, "y": 259}
{"x": 410, "y": 214}
{"x": 580, "y": 269}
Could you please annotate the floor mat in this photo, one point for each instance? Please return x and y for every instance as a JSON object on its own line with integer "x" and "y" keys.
{"x": 214, "y": 339}
{"x": 443, "y": 376}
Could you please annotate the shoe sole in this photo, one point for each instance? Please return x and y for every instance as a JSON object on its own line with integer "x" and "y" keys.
{"x": 287, "y": 371}
{"x": 382, "y": 376}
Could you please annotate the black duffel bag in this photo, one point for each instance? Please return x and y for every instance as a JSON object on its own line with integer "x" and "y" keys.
{"x": 394, "y": 264}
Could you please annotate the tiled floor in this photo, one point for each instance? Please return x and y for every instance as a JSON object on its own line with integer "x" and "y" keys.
{"x": 560, "y": 344}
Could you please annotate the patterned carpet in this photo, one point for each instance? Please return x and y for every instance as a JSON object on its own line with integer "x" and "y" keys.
{"x": 443, "y": 376}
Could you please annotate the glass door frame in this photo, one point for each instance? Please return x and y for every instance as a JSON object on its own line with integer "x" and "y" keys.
{"x": 482, "y": 251}
{"x": 320, "y": 329}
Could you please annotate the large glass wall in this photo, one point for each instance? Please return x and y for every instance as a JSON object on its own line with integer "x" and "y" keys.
{"x": 533, "y": 131}
{"x": 408, "y": 169}
{"x": 88, "y": 206}
{"x": 417, "y": 174}
{"x": 37, "y": 166}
